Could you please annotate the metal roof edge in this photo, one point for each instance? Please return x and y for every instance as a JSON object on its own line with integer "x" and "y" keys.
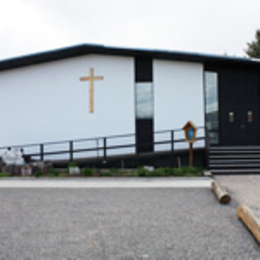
{"x": 83, "y": 49}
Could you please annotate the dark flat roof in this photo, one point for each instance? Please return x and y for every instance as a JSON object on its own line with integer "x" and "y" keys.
{"x": 84, "y": 49}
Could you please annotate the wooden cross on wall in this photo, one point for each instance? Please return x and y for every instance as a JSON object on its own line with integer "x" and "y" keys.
{"x": 91, "y": 80}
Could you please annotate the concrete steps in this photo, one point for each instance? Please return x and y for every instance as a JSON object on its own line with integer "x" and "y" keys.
{"x": 234, "y": 160}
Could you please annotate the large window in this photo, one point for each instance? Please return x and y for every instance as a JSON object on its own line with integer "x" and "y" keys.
{"x": 211, "y": 96}
{"x": 144, "y": 100}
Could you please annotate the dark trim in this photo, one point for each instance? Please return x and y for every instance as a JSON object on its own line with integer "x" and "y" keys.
{"x": 156, "y": 159}
{"x": 143, "y": 69}
{"x": 84, "y": 49}
{"x": 205, "y": 114}
{"x": 144, "y": 135}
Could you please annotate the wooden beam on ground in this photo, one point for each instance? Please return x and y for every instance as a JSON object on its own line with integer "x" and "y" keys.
{"x": 222, "y": 195}
{"x": 247, "y": 216}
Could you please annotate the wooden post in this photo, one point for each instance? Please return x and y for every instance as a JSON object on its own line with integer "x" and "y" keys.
{"x": 191, "y": 155}
{"x": 190, "y": 131}
{"x": 246, "y": 215}
{"x": 222, "y": 195}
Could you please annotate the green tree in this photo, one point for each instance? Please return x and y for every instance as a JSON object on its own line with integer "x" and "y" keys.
{"x": 253, "y": 48}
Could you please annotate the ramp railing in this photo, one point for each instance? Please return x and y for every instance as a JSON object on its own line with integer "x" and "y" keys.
{"x": 101, "y": 148}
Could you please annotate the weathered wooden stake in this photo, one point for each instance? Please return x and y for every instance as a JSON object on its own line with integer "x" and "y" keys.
{"x": 222, "y": 195}
{"x": 246, "y": 215}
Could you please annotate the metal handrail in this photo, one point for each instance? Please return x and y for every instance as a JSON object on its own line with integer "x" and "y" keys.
{"x": 104, "y": 147}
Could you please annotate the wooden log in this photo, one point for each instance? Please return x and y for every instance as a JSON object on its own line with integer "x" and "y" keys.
{"x": 222, "y": 195}
{"x": 247, "y": 216}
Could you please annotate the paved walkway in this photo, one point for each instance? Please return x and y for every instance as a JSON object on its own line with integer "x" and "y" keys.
{"x": 194, "y": 182}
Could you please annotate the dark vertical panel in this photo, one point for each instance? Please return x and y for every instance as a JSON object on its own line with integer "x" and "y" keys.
{"x": 143, "y": 69}
{"x": 144, "y": 127}
{"x": 258, "y": 85}
{"x": 144, "y": 135}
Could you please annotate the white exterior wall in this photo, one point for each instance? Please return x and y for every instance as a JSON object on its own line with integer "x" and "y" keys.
{"x": 48, "y": 102}
{"x": 178, "y": 97}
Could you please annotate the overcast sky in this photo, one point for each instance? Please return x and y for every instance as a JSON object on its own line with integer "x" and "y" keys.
{"x": 204, "y": 26}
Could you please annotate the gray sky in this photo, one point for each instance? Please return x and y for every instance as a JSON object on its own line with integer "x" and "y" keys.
{"x": 205, "y": 26}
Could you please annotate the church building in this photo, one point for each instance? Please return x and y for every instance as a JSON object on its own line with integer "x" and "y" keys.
{"x": 93, "y": 92}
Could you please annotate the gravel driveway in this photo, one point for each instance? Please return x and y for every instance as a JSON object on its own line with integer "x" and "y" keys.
{"x": 125, "y": 224}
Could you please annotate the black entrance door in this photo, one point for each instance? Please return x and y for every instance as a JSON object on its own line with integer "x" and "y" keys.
{"x": 242, "y": 125}
{"x": 239, "y": 108}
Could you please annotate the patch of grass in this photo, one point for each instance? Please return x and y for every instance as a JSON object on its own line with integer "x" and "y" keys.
{"x": 106, "y": 174}
{"x": 188, "y": 169}
{"x": 53, "y": 172}
{"x": 62, "y": 175}
{"x": 193, "y": 171}
{"x": 177, "y": 172}
{"x": 200, "y": 170}
{"x": 133, "y": 174}
{"x": 52, "y": 175}
{"x": 38, "y": 174}
{"x": 168, "y": 171}
{"x": 159, "y": 172}
{"x": 87, "y": 172}
{"x": 194, "y": 174}
{"x": 5, "y": 174}
{"x": 142, "y": 172}
{"x": 139, "y": 172}
{"x": 114, "y": 172}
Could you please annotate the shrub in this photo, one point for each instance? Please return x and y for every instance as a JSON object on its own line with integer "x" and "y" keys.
{"x": 159, "y": 172}
{"x": 188, "y": 169}
{"x": 62, "y": 175}
{"x": 142, "y": 172}
{"x": 114, "y": 171}
{"x": 53, "y": 172}
{"x": 38, "y": 174}
{"x": 200, "y": 170}
{"x": 106, "y": 174}
{"x": 5, "y": 174}
{"x": 177, "y": 172}
{"x": 169, "y": 171}
{"x": 87, "y": 172}
{"x": 194, "y": 174}
{"x": 192, "y": 171}
{"x": 133, "y": 174}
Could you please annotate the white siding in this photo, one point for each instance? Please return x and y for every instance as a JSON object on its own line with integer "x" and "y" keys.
{"x": 178, "y": 96}
{"x": 48, "y": 102}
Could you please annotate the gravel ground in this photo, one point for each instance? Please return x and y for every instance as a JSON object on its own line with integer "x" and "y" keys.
{"x": 245, "y": 189}
{"x": 125, "y": 224}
